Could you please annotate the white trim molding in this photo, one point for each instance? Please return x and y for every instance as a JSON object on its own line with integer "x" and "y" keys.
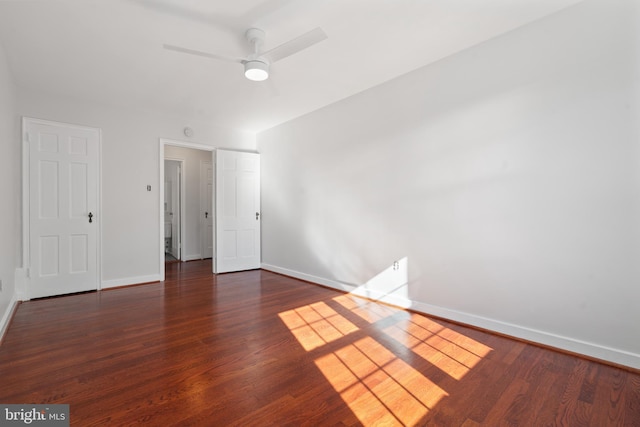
{"x": 8, "y": 314}
{"x": 572, "y": 345}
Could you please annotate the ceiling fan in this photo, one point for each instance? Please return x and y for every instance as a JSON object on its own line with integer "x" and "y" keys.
{"x": 256, "y": 65}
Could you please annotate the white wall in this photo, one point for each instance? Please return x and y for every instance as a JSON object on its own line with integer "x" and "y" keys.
{"x": 192, "y": 158}
{"x": 130, "y": 161}
{"x": 507, "y": 175}
{"x": 10, "y": 244}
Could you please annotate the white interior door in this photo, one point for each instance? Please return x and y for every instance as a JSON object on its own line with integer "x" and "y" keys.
{"x": 63, "y": 208}
{"x": 206, "y": 197}
{"x": 237, "y": 211}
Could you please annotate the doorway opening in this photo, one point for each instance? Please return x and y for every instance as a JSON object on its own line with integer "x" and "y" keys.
{"x": 186, "y": 210}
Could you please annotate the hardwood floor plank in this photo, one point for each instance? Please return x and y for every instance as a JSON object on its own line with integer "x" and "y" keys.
{"x": 570, "y": 407}
{"x": 609, "y": 397}
{"x": 498, "y": 378}
{"x": 507, "y": 408}
{"x": 258, "y": 348}
{"x": 546, "y": 397}
{"x": 633, "y": 401}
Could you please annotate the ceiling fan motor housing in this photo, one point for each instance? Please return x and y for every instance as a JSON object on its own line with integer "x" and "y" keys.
{"x": 256, "y": 69}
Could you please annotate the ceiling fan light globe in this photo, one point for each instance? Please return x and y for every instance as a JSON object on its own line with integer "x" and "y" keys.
{"x": 256, "y": 70}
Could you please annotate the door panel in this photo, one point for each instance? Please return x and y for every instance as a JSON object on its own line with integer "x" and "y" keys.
{"x": 47, "y": 191}
{"x": 246, "y": 239}
{"x": 49, "y": 256}
{"x": 237, "y": 211}
{"x": 79, "y": 248}
{"x": 78, "y": 190}
{"x": 63, "y": 193}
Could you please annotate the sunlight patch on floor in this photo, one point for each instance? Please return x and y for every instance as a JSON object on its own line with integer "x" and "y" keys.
{"x": 452, "y": 352}
{"x": 379, "y": 387}
{"x": 316, "y": 325}
{"x": 371, "y": 376}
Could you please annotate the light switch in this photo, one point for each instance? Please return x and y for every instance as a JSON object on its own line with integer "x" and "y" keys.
{"x": 148, "y": 188}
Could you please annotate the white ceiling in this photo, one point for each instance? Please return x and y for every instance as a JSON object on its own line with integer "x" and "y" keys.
{"x": 110, "y": 51}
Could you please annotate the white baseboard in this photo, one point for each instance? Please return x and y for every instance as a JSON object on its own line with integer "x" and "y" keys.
{"x": 6, "y": 317}
{"x": 106, "y": 284}
{"x": 309, "y": 278}
{"x": 588, "y": 349}
{"x": 573, "y": 345}
{"x": 192, "y": 257}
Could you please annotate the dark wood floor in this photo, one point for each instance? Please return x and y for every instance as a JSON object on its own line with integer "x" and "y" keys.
{"x": 256, "y": 348}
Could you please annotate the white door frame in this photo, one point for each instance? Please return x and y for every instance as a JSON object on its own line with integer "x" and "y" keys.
{"x": 162, "y": 143}
{"x": 23, "y": 293}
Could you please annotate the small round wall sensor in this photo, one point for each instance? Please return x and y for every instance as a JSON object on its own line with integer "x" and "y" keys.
{"x": 188, "y": 132}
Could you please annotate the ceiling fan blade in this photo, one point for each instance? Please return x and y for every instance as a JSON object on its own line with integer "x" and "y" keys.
{"x": 200, "y": 53}
{"x": 296, "y": 45}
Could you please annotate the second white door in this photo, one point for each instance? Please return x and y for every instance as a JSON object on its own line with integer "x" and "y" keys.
{"x": 237, "y": 211}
